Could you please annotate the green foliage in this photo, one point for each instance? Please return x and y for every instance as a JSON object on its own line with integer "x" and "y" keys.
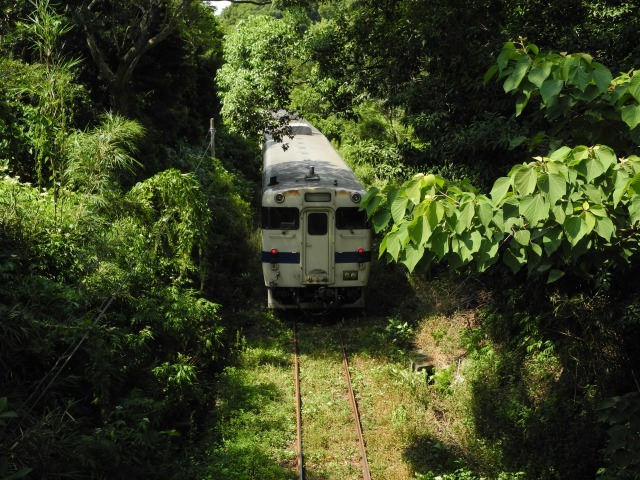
{"x": 622, "y": 416}
{"x": 572, "y": 210}
{"x": 6, "y": 472}
{"x": 465, "y": 474}
{"x": 95, "y": 158}
{"x": 579, "y": 95}
{"x": 255, "y": 82}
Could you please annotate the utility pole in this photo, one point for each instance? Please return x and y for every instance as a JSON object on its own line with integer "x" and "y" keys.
{"x": 212, "y": 130}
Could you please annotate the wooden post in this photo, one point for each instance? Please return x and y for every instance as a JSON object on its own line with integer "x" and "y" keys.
{"x": 212, "y": 130}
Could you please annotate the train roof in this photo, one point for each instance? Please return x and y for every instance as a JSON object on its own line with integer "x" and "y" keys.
{"x": 309, "y": 161}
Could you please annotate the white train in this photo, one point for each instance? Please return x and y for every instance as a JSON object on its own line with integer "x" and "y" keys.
{"x": 316, "y": 243}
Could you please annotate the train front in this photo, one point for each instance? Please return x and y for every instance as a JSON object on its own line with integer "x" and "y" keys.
{"x": 316, "y": 244}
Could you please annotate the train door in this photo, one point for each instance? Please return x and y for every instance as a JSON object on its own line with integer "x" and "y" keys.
{"x": 318, "y": 243}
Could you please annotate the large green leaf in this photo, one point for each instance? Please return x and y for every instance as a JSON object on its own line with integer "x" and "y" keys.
{"x": 465, "y": 217}
{"x": 575, "y": 229}
{"x": 522, "y": 67}
{"x": 500, "y": 189}
{"x": 591, "y": 168}
{"x": 555, "y": 275}
{"x": 634, "y": 86}
{"x": 419, "y": 230}
{"x": 601, "y": 76}
{"x": 525, "y": 179}
{"x": 634, "y": 209}
{"x": 369, "y": 195}
{"x": 605, "y": 155}
{"x": 522, "y": 237}
{"x": 605, "y": 228}
{"x": 485, "y": 212}
{"x": 394, "y": 245}
{"x": 552, "y": 240}
{"x": 439, "y": 244}
{"x": 411, "y": 255}
{"x": 553, "y": 185}
{"x": 621, "y": 186}
{"x": 514, "y": 259}
{"x": 550, "y": 90}
{"x": 412, "y": 189}
{"x": 589, "y": 221}
{"x": 380, "y": 220}
{"x": 631, "y": 114}
{"x": 399, "y": 208}
{"x": 534, "y": 208}
{"x": 539, "y": 72}
{"x": 434, "y": 214}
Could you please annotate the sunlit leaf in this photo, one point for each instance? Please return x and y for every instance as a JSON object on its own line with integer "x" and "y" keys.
{"x": 534, "y": 208}
{"x": 631, "y": 114}
{"x": 634, "y": 86}
{"x": 605, "y": 228}
{"x": 399, "y": 208}
{"x": 525, "y": 179}
{"x": 500, "y": 189}
{"x": 465, "y": 217}
{"x": 539, "y": 72}
{"x": 522, "y": 237}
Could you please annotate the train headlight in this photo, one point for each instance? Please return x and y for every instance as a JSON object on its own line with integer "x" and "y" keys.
{"x": 356, "y": 197}
{"x": 279, "y": 197}
{"x": 350, "y": 275}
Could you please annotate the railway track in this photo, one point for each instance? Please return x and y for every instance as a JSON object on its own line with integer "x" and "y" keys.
{"x": 366, "y": 474}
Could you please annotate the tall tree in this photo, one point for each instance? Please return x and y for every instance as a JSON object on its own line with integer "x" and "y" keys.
{"x": 121, "y": 32}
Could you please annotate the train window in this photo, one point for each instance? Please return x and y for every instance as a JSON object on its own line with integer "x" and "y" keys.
{"x": 280, "y": 218}
{"x": 317, "y": 197}
{"x": 317, "y": 223}
{"x": 348, "y": 218}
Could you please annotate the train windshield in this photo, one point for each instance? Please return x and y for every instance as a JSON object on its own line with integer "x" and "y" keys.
{"x": 280, "y": 218}
{"x": 350, "y": 218}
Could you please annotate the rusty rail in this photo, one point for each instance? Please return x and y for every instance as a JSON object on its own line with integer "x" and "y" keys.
{"x": 356, "y": 413}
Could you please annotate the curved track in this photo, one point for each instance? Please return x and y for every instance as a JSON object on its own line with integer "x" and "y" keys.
{"x": 366, "y": 474}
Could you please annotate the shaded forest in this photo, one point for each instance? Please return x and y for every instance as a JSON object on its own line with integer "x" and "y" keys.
{"x": 129, "y": 255}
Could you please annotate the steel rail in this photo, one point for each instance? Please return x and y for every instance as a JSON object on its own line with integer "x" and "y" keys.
{"x": 356, "y": 413}
{"x": 298, "y": 403}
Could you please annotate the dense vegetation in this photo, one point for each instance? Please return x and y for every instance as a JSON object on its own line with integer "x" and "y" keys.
{"x": 127, "y": 253}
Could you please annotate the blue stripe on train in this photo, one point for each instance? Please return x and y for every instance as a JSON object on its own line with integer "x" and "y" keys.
{"x": 282, "y": 257}
{"x": 352, "y": 257}
{"x": 340, "y": 257}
